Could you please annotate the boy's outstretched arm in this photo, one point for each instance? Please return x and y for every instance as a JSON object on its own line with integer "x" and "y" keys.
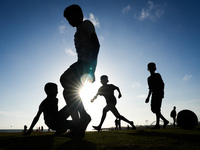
{"x": 95, "y": 48}
{"x": 149, "y": 94}
{"x": 35, "y": 120}
{"x": 92, "y": 100}
{"x": 120, "y": 95}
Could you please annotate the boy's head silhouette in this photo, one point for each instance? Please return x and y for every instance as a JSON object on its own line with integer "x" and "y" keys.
{"x": 74, "y": 15}
{"x": 51, "y": 89}
{"x": 151, "y": 67}
{"x": 104, "y": 79}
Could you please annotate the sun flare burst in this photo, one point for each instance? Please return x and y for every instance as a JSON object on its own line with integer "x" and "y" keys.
{"x": 87, "y": 92}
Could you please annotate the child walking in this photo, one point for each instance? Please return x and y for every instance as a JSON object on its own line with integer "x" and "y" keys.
{"x": 156, "y": 89}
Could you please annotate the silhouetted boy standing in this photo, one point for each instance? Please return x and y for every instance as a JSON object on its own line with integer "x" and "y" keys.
{"x": 156, "y": 89}
{"x": 87, "y": 48}
{"x": 107, "y": 90}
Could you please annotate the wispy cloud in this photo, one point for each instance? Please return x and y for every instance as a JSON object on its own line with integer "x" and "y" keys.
{"x": 152, "y": 12}
{"x": 101, "y": 38}
{"x": 187, "y": 77}
{"x": 126, "y": 9}
{"x": 94, "y": 20}
{"x": 70, "y": 52}
{"x": 13, "y": 114}
{"x": 136, "y": 85}
{"x": 143, "y": 96}
{"x": 62, "y": 28}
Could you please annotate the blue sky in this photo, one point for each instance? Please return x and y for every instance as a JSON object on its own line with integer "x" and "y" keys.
{"x": 36, "y": 46}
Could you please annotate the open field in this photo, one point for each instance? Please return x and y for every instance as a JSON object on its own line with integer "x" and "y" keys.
{"x": 162, "y": 139}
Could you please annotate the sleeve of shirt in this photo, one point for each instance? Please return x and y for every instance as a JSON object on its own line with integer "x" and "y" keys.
{"x": 148, "y": 81}
{"x": 114, "y": 87}
{"x": 100, "y": 91}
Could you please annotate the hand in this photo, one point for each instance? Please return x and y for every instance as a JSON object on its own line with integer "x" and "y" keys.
{"x": 120, "y": 95}
{"x": 92, "y": 100}
{"x": 147, "y": 100}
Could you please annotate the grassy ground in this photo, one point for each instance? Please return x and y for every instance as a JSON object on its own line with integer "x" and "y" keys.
{"x": 147, "y": 139}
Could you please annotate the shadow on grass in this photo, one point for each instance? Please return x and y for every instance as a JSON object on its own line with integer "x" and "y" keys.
{"x": 182, "y": 135}
{"x": 77, "y": 145}
{"x": 26, "y": 142}
{"x": 45, "y": 142}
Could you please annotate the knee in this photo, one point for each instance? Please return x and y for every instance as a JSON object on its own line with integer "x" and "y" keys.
{"x": 119, "y": 117}
{"x": 105, "y": 111}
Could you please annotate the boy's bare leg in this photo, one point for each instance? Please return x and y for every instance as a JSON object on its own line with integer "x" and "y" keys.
{"x": 84, "y": 116}
{"x": 102, "y": 120}
{"x": 165, "y": 120}
{"x": 64, "y": 113}
{"x": 126, "y": 120}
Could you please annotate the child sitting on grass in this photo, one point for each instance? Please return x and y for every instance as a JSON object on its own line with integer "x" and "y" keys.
{"x": 54, "y": 119}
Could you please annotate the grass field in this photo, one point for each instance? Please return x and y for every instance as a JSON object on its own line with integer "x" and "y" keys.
{"x": 146, "y": 139}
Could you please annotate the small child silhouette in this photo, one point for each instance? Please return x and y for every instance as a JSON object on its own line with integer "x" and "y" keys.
{"x": 54, "y": 119}
{"x": 107, "y": 90}
{"x": 156, "y": 89}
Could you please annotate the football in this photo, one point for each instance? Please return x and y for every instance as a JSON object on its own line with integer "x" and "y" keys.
{"x": 187, "y": 119}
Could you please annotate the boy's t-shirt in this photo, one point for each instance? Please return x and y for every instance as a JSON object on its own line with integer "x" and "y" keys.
{"x": 49, "y": 108}
{"x": 83, "y": 43}
{"x": 108, "y": 92}
{"x": 156, "y": 84}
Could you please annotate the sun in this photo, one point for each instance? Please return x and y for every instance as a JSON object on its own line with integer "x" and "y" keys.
{"x": 87, "y": 92}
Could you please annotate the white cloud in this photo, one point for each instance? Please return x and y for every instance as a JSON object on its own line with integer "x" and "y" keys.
{"x": 152, "y": 12}
{"x": 187, "y": 77}
{"x": 101, "y": 37}
{"x": 62, "y": 28}
{"x": 136, "y": 85}
{"x": 143, "y": 96}
{"x": 94, "y": 20}
{"x": 126, "y": 9}
{"x": 70, "y": 52}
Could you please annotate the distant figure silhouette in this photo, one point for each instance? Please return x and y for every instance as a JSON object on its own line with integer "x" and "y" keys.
{"x": 54, "y": 119}
{"x": 156, "y": 89}
{"x": 25, "y": 128}
{"x": 42, "y": 129}
{"x": 87, "y": 48}
{"x": 173, "y": 115}
{"x": 117, "y": 124}
{"x": 107, "y": 90}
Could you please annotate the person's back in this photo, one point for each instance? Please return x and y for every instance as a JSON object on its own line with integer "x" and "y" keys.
{"x": 49, "y": 107}
{"x": 83, "y": 44}
{"x": 173, "y": 113}
{"x": 156, "y": 83}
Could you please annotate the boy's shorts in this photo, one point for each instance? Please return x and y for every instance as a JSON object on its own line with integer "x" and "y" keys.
{"x": 74, "y": 73}
{"x": 71, "y": 82}
{"x": 113, "y": 109}
{"x": 156, "y": 102}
